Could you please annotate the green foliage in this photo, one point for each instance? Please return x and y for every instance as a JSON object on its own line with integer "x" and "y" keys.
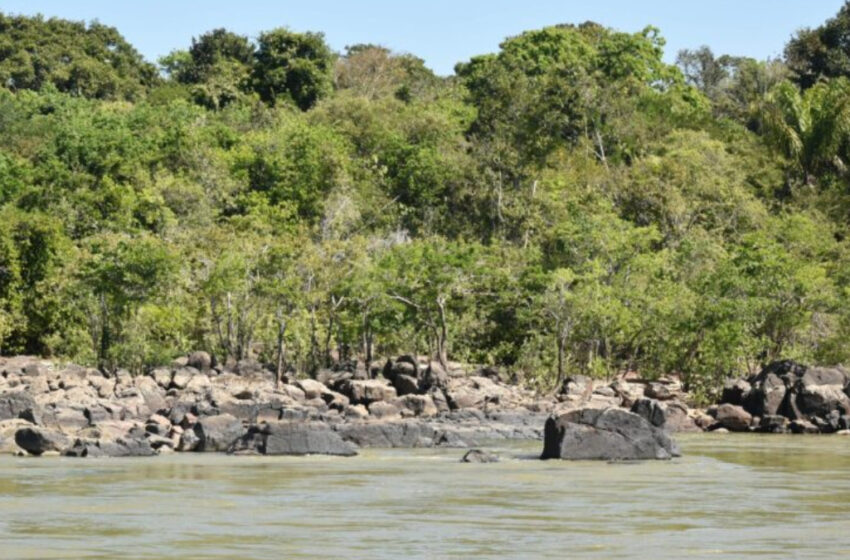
{"x": 85, "y": 60}
{"x": 823, "y": 52}
{"x": 293, "y": 66}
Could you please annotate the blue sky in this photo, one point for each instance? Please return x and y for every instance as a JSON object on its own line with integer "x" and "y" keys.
{"x": 444, "y": 32}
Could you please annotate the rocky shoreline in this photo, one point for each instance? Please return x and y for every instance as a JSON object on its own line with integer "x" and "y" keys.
{"x": 48, "y": 408}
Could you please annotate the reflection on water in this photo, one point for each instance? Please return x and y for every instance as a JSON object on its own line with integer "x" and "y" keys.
{"x": 730, "y": 496}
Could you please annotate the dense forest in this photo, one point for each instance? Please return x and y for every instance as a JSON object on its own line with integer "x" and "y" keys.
{"x": 569, "y": 204}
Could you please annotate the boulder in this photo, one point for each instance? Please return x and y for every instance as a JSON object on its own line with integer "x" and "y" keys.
{"x": 605, "y": 434}
{"x": 312, "y": 389}
{"x": 367, "y": 391}
{"x": 735, "y": 391}
{"x": 820, "y": 400}
{"x": 15, "y": 403}
{"x": 299, "y": 438}
{"x": 336, "y": 401}
{"x": 734, "y": 418}
{"x": 659, "y": 391}
{"x": 435, "y": 376}
{"x": 383, "y": 409}
{"x": 132, "y": 444}
{"x": 680, "y": 419}
{"x": 158, "y": 424}
{"x": 388, "y": 434}
{"x": 182, "y": 376}
{"x": 803, "y": 427}
{"x": 405, "y": 384}
{"x": 773, "y": 424}
{"x": 162, "y": 377}
{"x": 199, "y": 360}
{"x": 37, "y": 441}
{"x": 766, "y": 394}
{"x": 418, "y": 405}
{"x": 7, "y": 435}
{"x": 217, "y": 433}
{"x": 825, "y": 376}
{"x": 479, "y": 456}
{"x": 189, "y": 441}
{"x": 651, "y": 411}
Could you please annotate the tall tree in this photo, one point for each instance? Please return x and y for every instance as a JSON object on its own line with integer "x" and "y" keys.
{"x": 822, "y": 52}
{"x": 297, "y": 66}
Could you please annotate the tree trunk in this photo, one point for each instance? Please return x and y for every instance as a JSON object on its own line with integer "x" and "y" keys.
{"x": 442, "y": 337}
{"x": 560, "y": 361}
{"x": 281, "y": 349}
{"x": 104, "y": 331}
{"x": 314, "y": 343}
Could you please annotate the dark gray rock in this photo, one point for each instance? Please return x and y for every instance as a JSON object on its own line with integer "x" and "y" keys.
{"x": 773, "y": 424}
{"x": 803, "y": 427}
{"x": 651, "y": 411}
{"x": 822, "y": 399}
{"x": 606, "y": 434}
{"x": 130, "y": 445}
{"x": 767, "y": 394}
{"x": 735, "y": 391}
{"x": 217, "y": 433}
{"x": 304, "y": 438}
{"x": 404, "y": 365}
{"x": 479, "y": 456}
{"x": 405, "y": 384}
{"x": 434, "y": 377}
{"x": 37, "y": 441}
{"x": 388, "y": 434}
{"x": 16, "y": 403}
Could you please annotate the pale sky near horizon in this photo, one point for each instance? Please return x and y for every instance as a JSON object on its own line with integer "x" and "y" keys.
{"x": 444, "y": 32}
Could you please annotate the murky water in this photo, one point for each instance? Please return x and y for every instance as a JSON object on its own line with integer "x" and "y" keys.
{"x": 730, "y": 496}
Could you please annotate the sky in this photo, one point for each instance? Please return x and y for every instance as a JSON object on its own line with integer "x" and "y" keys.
{"x": 444, "y": 32}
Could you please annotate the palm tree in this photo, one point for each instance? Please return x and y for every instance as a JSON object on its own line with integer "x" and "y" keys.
{"x": 812, "y": 128}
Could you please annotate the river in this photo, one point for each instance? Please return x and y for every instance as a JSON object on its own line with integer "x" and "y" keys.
{"x": 729, "y": 496}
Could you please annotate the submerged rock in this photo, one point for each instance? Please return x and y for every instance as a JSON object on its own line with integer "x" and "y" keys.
{"x": 479, "y": 456}
{"x": 605, "y": 434}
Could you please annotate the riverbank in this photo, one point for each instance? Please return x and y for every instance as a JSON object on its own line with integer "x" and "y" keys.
{"x": 49, "y": 408}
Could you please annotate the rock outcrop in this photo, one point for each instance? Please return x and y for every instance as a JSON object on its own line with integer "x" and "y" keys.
{"x": 611, "y": 434}
{"x": 786, "y": 397}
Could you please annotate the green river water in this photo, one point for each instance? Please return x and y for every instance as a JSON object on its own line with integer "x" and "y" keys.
{"x": 729, "y": 497}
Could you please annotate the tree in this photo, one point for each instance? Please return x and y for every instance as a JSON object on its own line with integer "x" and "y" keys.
{"x": 85, "y": 60}
{"x": 810, "y": 128}
{"x": 823, "y": 52}
{"x": 297, "y": 66}
{"x": 557, "y": 304}
{"x": 218, "y": 66}
{"x": 433, "y": 279}
{"x": 122, "y": 273}
{"x": 374, "y": 72}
